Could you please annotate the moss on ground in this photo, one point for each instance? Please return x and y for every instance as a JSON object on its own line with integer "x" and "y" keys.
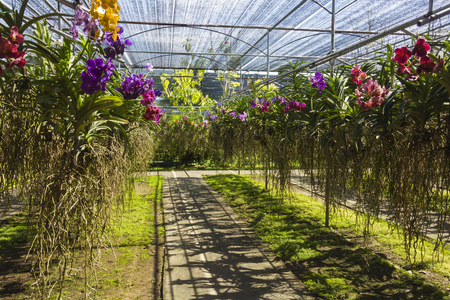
{"x": 128, "y": 270}
{"x": 334, "y": 263}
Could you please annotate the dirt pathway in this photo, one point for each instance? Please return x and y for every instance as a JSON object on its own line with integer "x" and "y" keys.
{"x": 211, "y": 253}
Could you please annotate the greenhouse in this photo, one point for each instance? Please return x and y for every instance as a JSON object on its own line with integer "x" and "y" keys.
{"x": 241, "y": 149}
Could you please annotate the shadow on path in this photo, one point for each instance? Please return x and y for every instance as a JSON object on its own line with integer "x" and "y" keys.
{"x": 212, "y": 254}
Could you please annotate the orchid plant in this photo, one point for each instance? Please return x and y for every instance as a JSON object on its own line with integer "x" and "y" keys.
{"x": 79, "y": 114}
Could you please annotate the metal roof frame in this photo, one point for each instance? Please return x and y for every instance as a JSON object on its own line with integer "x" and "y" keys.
{"x": 422, "y": 20}
{"x": 278, "y": 37}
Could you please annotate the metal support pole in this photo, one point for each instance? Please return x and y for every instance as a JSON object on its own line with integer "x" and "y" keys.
{"x": 268, "y": 53}
{"x": 333, "y": 32}
{"x": 60, "y": 26}
{"x": 434, "y": 17}
{"x": 59, "y": 17}
{"x": 206, "y": 54}
{"x": 430, "y": 8}
{"x": 240, "y": 72}
{"x": 333, "y": 23}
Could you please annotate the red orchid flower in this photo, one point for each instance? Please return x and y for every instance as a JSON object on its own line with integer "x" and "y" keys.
{"x": 404, "y": 70}
{"x": 363, "y": 104}
{"x": 421, "y": 48}
{"x": 15, "y": 37}
{"x": 426, "y": 65}
{"x": 18, "y": 62}
{"x": 7, "y": 50}
{"x": 358, "y": 75}
{"x": 1, "y": 70}
{"x": 439, "y": 65}
{"x": 401, "y": 55}
{"x": 372, "y": 90}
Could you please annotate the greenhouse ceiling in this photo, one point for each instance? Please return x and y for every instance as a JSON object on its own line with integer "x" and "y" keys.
{"x": 262, "y": 35}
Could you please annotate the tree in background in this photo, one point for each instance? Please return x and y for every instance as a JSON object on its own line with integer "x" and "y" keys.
{"x": 228, "y": 82}
{"x": 185, "y": 89}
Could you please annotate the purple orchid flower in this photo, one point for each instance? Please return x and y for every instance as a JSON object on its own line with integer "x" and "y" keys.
{"x": 148, "y": 67}
{"x": 135, "y": 86}
{"x": 318, "y": 82}
{"x": 116, "y": 47}
{"x": 96, "y": 75}
{"x": 242, "y": 116}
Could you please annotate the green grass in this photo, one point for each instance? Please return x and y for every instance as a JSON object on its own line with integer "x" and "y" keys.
{"x": 135, "y": 226}
{"x": 132, "y": 235}
{"x": 440, "y": 202}
{"x": 14, "y": 232}
{"x": 330, "y": 265}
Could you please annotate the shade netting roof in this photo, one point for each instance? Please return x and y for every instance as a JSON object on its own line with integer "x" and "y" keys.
{"x": 240, "y": 34}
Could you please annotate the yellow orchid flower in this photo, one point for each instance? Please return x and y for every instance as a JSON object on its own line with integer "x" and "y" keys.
{"x": 109, "y": 18}
{"x": 114, "y": 36}
{"x": 97, "y": 34}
